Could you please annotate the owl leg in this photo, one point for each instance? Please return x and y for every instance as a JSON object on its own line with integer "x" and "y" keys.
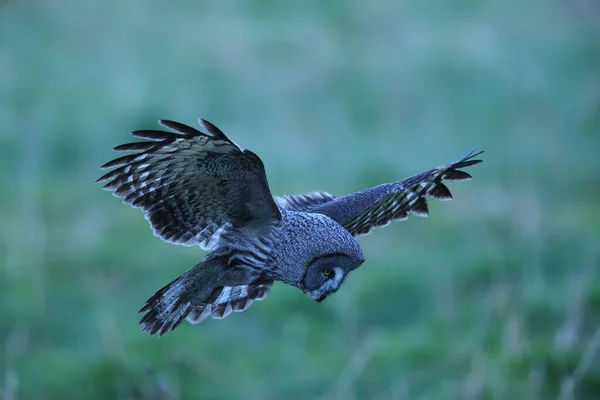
{"x": 199, "y": 285}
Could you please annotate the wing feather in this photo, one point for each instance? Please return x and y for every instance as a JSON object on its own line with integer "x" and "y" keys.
{"x": 191, "y": 183}
{"x": 360, "y": 212}
{"x": 304, "y": 202}
{"x": 231, "y": 299}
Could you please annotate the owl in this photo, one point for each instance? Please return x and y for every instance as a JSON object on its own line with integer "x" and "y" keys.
{"x": 199, "y": 188}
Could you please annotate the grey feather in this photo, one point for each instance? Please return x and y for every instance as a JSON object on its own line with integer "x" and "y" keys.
{"x": 360, "y": 212}
{"x": 304, "y": 202}
{"x": 231, "y": 299}
{"x": 191, "y": 184}
{"x": 169, "y": 306}
{"x": 202, "y": 291}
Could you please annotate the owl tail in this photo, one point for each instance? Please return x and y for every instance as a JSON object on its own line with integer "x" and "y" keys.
{"x": 171, "y": 305}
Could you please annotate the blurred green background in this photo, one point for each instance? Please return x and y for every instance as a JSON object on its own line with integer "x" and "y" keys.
{"x": 495, "y": 296}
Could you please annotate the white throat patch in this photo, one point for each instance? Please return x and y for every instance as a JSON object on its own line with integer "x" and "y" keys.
{"x": 329, "y": 285}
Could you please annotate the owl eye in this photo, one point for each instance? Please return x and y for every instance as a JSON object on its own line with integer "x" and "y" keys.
{"x": 328, "y": 272}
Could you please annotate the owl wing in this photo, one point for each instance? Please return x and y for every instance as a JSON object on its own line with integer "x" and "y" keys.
{"x": 191, "y": 184}
{"x": 360, "y": 212}
{"x": 230, "y": 299}
{"x": 209, "y": 288}
{"x": 176, "y": 301}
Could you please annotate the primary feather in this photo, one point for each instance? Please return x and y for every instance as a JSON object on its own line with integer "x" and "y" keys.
{"x": 363, "y": 211}
{"x": 191, "y": 184}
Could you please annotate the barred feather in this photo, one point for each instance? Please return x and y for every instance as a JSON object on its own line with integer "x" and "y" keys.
{"x": 199, "y": 293}
{"x": 190, "y": 183}
{"x": 230, "y": 299}
{"x": 360, "y": 212}
{"x": 304, "y": 202}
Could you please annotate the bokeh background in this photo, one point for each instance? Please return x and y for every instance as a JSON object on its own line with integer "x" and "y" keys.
{"x": 495, "y": 296}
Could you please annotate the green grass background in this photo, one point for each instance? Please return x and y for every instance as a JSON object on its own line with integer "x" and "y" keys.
{"x": 495, "y": 296}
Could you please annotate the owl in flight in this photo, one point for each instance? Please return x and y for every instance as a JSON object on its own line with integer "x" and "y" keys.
{"x": 197, "y": 187}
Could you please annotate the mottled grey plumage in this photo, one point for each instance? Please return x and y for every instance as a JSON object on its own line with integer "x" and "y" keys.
{"x": 200, "y": 188}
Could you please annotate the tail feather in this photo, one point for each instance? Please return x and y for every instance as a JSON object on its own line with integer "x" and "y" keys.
{"x": 168, "y": 307}
{"x": 199, "y": 293}
{"x": 231, "y": 299}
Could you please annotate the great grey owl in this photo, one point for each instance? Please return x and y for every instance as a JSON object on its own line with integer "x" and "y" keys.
{"x": 200, "y": 188}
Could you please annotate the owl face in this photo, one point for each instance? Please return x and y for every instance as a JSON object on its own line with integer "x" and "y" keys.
{"x": 325, "y": 274}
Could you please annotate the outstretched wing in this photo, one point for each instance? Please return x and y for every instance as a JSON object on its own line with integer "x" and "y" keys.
{"x": 360, "y": 212}
{"x": 191, "y": 184}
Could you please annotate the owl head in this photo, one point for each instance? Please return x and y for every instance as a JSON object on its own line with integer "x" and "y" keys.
{"x": 324, "y": 274}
